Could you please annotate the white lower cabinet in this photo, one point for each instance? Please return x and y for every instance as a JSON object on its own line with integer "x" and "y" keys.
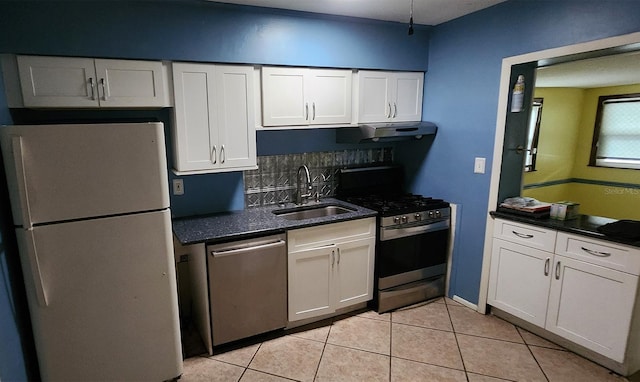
{"x": 310, "y": 280}
{"x": 519, "y": 282}
{"x": 591, "y": 306}
{"x": 584, "y": 291}
{"x": 330, "y": 267}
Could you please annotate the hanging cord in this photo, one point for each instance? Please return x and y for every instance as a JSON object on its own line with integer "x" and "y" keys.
{"x": 411, "y": 20}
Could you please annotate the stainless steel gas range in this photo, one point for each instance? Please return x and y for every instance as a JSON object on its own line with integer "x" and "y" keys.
{"x": 413, "y": 236}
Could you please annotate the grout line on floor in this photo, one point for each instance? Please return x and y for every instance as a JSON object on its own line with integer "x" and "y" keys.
{"x": 532, "y": 355}
{"x": 455, "y": 335}
{"x": 424, "y": 327}
{"x": 390, "y": 342}
{"x": 266, "y": 372}
{"x": 315, "y": 375}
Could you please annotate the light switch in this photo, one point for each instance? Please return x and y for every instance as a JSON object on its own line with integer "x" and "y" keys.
{"x": 178, "y": 187}
{"x": 478, "y": 166}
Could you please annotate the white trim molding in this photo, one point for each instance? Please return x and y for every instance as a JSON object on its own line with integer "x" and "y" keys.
{"x": 507, "y": 63}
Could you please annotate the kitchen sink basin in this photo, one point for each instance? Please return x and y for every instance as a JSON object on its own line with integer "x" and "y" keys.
{"x": 310, "y": 212}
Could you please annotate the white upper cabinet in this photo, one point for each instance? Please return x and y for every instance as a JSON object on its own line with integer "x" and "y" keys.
{"x": 389, "y": 96}
{"x": 87, "y": 82}
{"x": 214, "y": 127}
{"x": 303, "y": 96}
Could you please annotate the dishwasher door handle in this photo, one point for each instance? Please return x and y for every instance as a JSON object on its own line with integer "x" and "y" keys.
{"x": 237, "y": 251}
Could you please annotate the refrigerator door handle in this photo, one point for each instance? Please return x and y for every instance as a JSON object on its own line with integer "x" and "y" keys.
{"x": 34, "y": 266}
{"x": 21, "y": 177}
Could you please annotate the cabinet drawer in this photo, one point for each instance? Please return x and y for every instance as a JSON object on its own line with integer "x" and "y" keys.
{"x": 529, "y": 235}
{"x": 599, "y": 252}
{"x": 333, "y": 233}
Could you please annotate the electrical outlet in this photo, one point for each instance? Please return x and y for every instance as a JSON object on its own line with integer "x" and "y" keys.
{"x": 178, "y": 187}
{"x": 478, "y": 166}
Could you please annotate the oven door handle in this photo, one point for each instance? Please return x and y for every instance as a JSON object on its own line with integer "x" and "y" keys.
{"x": 389, "y": 233}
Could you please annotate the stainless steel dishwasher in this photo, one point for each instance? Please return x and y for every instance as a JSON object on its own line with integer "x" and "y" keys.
{"x": 247, "y": 287}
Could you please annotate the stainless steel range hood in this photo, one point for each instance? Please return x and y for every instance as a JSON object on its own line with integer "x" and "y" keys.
{"x": 385, "y": 132}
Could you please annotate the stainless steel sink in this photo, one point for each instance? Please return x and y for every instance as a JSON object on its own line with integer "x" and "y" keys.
{"x": 310, "y": 212}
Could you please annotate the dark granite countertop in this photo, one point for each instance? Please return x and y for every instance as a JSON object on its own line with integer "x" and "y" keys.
{"x": 586, "y": 225}
{"x": 253, "y": 222}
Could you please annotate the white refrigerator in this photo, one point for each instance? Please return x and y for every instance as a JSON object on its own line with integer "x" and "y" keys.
{"x": 91, "y": 208}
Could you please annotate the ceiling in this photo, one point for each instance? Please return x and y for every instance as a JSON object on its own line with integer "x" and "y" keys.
{"x": 425, "y": 12}
{"x": 614, "y": 70}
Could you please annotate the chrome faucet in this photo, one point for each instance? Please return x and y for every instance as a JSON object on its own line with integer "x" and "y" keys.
{"x": 300, "y": 197}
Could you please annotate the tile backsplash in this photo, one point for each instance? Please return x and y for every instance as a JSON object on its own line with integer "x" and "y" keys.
{"x": 274, "y": 181}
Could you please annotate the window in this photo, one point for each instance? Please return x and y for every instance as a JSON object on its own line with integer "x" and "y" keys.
{"x": 533, "y": 131}
{"x": 616, "y": 136}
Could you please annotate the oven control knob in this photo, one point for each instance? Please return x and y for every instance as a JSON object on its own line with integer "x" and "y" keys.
{"x": 431, "y": 214}
{"x": 438, "y": 213}
{"x": 404, "y": 219}
{"x": 418, "y": 216}
{"x": 396, "y": 220}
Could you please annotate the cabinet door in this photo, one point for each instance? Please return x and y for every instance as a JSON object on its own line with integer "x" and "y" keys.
{"x": 407, "y": 98}
{"x": 57, "y": 81}
{"x": 374, "y": 92}
{"x": 519, "y": 280}
{"x": 591, "y": 306}
{"x": 195, "y": 140}
{"x": 130, "y": 83}
{"x": 354, "y": 272}
{"x": 310, "y": 280}
{"x": 236, "y": 116}
{"x": 283, "y": 96}
{"x": 330, "y": 96}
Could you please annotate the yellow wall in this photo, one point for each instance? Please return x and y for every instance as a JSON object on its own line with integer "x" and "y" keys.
{"x": 560, "y": 122}
{"x": 613, "y": 202}
{"x": 564, "y": 147}
{"x": 553, "y": 193}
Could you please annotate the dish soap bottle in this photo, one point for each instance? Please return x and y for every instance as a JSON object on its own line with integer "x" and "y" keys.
{"x": 517, "y": 97}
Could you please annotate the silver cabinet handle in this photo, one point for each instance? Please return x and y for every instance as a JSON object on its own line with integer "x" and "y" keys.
{"x": 338, "y": 255}
{"x": 213, "y": 158}
{"x": 104, "y": 89}
{"x": 306, "y": 111}
{"x": 333, "y": 257}
{"x": 596, "y": 253}
{"x": 314, "y": 110}
{"x": 395, "y": 110}
{"x": 93, "y": 88}
{"x": 547, "y": 262}
{"x": 388, "y": 114}
{"x": 522, "y": 235}
{"x": 223, "y": 157}
{"x": 558, "y": 270}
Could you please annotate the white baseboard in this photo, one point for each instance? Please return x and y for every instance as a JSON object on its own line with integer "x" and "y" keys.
{"x": 464, "y": 302}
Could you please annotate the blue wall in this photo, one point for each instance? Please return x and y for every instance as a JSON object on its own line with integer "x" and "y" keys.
{"x": 461, "y": 96}
{"x": 461, "y": 89}
{"x": 193, "y": 31}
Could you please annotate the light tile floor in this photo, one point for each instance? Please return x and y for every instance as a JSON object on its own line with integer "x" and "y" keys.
{"x": 438, "y": 341}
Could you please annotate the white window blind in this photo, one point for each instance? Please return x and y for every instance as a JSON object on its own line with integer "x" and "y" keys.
{"x": 619, "y": 140}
